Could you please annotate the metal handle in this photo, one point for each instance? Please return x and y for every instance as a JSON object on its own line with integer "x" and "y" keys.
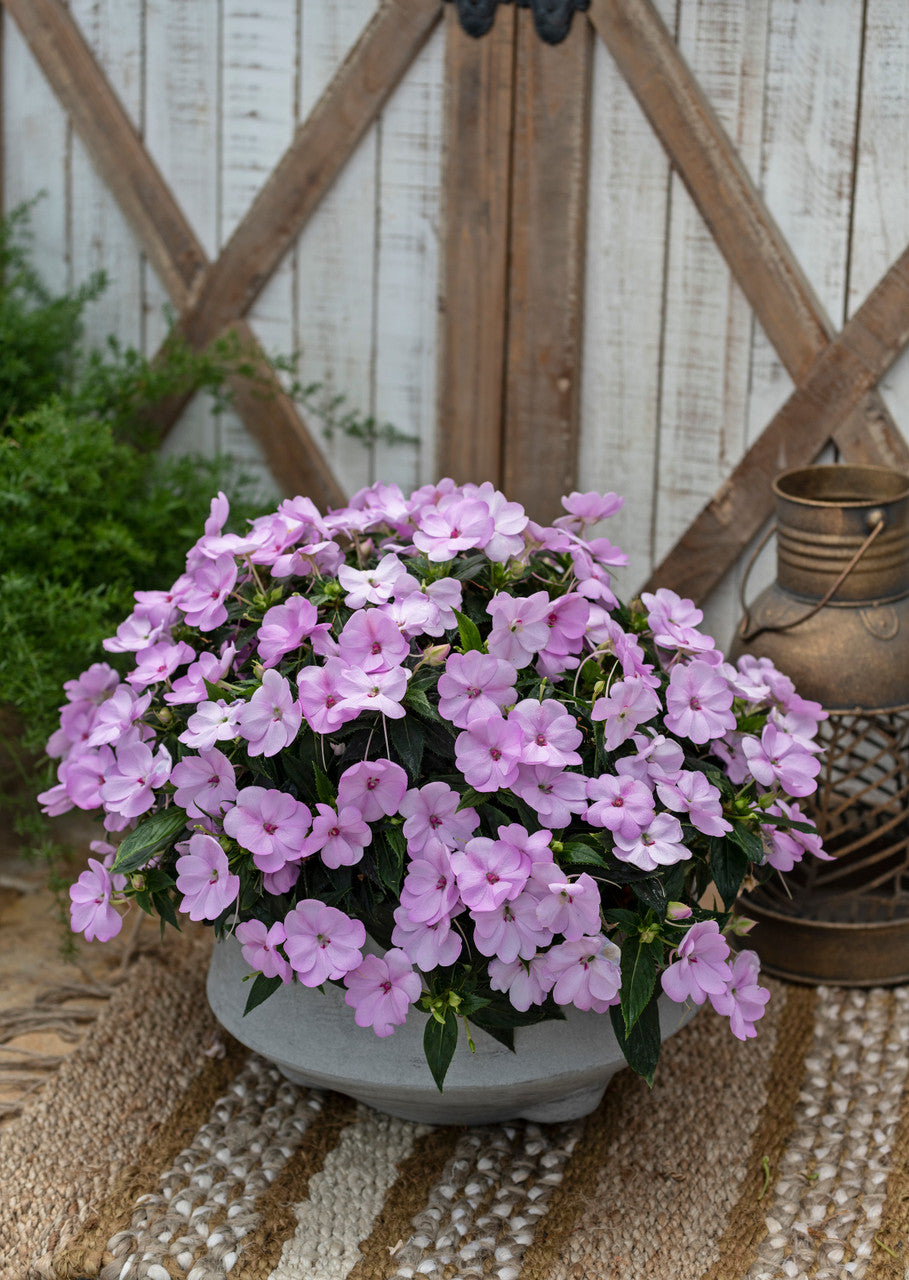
{"x": 746, "y": 635}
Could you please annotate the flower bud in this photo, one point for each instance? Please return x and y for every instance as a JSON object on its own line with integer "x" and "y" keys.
{"x": 740, "y": 926}
{"x": 165, "y": 716}
{"x": 677, "y": 911}
{"x": 434, "y": 655}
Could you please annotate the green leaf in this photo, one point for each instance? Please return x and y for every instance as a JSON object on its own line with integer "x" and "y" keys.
{"x": 407, "y": 740}
{"x": 748, "y": 841}
{"x": 576, "y": 851}
{"x": 440, "y": 1040}
{"x": 390, "y": 851}
{"x": 324, "y": 790}
{"x": 641, "y": 1046}
{"x": 165, "y": 909}
{"x": 640, "y": 964}
{"x": 155, "y": 833}
{"x": 729, "y": 864}
{"x": 261, "y": 989}
{"x": 650, "y": 892}
{"x": 469, "y": 633}
{"x": 415, "y": 698}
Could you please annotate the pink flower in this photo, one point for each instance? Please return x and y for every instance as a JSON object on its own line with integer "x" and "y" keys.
{"x": 370, "y": 586}
{"x": 658, "y": 845}
{"x": 339, "y": 837}
{"x": 525, "y": 981}
{"x": 202, "y": 599}
{"x": 550, "y": 733}
{"x": 628, "y": 703}
{"x": 321, "y": 699}
{"x": 190, "y": 687}
{"x": 428, "y": 946}
{"x": 284, "y": 628}
{"x": 698, "y": 703}
{"x": 555, "y": 794}
{"x": 432, "y": 816}
{"x": 701, "y": 969}
{"x": 584, "y": 972}
{"x": 489, "y": 871}
{"x": 381, "y": 990}
{"x": 743, "y": 1000}
{"x": 158, "y": 662}
{"x": 588, "y": 508}
{"x": 513, "y": 929}
{"x": 569, "y": 907}
{"x": 674, "y": 621}
{"x": 144, "y": 627}
{"x": 430, "y": 892}
{"x": 454, "y": 525}
{"x": 204, "y": 783}
{"x": 271, "y": 719}
{"x": 475, "y": 686}
{"x": 84, "y": 773}
{"x": 90, "y": 910}
{"x": 372, "y": 642}
{"x": 322, "y": 942}
{"x": 488, "y": 753}
{"x": 780, "y": 758}
{"x": 519, "y": 626}
{"x": 259, "y": 945}
{"x": 128, "y": 787}
{"x": 270, "y": 824}
{"x": 691, "y": 793}
{"x": 212, "y": 722}
{"x": 204, "y": 878}
{"x": 374, "y": 787}
{"x": 509, "y": 522}
{"x": 786, "y": 848}
{"x": 117, "y": 714}
{"x": 622, "y": 805}
{"x": 380, "y": 691}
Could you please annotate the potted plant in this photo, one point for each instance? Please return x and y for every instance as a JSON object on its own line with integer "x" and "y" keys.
{"x": 415, "y": 753}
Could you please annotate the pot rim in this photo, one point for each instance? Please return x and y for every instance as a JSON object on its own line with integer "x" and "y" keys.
{"x": 898, "y": 482}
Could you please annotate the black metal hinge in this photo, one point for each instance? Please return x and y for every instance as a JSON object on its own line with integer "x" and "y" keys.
{"x": 552, "y": 18}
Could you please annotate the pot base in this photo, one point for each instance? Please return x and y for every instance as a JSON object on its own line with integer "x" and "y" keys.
{"x": 559, "y": 1070}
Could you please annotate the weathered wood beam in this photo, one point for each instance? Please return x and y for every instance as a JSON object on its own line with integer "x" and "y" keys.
{"x": 168, "y": 239}
{"x": 116, "y": 149}
{"x": 321, "y": 147}
{"x": 826, "y": 398}
{"x": 479, "y": 78}
{"x": 546, "y": 271}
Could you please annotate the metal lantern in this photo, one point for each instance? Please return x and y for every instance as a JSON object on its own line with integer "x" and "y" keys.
{"x": 837, "y": 622}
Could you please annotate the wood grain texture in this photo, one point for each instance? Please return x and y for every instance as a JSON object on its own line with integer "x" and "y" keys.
{"x": 407, "y": 276}
{"x": 627, "y": 228}
{"x": 115, "y": 146}
{"x": 843, "y": 374}
{"x": 545, "y": 291}
{"x": 334, "y": 258}
{"x": 479, "y": 80}
{"x": 307, "y": 169}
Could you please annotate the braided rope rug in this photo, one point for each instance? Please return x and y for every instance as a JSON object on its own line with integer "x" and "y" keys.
{"x": 158, "y": 1151}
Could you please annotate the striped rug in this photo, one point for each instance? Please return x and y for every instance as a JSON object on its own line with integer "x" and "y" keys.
{"x": 158, "y": 1150}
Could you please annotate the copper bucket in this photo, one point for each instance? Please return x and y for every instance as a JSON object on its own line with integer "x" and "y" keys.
{"x": 837, "y": 622}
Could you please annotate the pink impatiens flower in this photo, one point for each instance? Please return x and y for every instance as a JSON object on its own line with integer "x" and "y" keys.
{"x": 702, "y": 968}
{"x": 550, "y": 733}
{"x": 743, "y": 1000}
{"x": 474, "y": 686}
{"x": 519, "y": 626}
{"x": 381, "y": 990}
{"x": 338, "y": 836}
{"x": 628, "y": 703}
{"x": 321, "y": 699}
{"x": 374, "y": 787}
{"x": 259, "y": 944}
{"x": 622, "y": 804}
{"x": 271, "y": 719}
{"x": 428, "y": 946}
{"x": 270, "y": 824}
{"x": 204, "y": 783}
{"x": 322, "y": 942}
{"x": 489, "y": 871}
{"x": 454, "y": 524}
{"x": 488, "y": 753}
{"x": 284, "y": 628}
{"x": 432, "y": 817}
{"x": 429, "y": 892}
{"x": 584, "y": 972}
{"x": 659, "y": 844}
{"x": 205, "y": 879}
{"x": 128, "y": 787}
{"x": 90, "y": 910}
{"x": 699, "y": 702}
{"x": 778, "y": 758}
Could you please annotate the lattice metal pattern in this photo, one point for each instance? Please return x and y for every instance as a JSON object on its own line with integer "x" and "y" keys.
{"x": 862, "y": 811}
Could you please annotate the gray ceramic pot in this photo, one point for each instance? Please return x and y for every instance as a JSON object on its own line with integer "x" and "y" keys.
{"x": 559, "y": 1070}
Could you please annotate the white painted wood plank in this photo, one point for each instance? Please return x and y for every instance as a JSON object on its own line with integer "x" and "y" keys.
{"x": 257, "y": 121}
{"x": 623, "y": 310}
{"x": 100, "y": 236}
{"x": 708, "y": 328}
{"x": 181, "y": 112}
{"x": 809, "y": 128}
{"x": 880, "y": 227}
{"x": 335, "y": 255}
{"x": 35, "y": 157}
{"x": 407, "y": 302}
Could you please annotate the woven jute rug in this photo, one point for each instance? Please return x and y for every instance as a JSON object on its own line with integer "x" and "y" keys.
{"x": 159, "y": 1149}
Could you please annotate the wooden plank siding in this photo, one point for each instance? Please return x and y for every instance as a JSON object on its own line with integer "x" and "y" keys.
{"x": 665, "y": 258}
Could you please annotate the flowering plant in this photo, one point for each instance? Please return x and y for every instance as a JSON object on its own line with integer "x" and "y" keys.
{"x": 429, "y": 720}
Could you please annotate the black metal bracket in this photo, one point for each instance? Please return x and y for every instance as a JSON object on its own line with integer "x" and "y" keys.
{"x": 552, "y": 18}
